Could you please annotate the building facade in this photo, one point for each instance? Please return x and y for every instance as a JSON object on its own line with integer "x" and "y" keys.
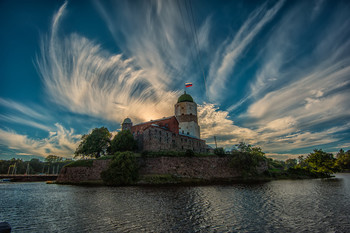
{"x": 180, "y": 132}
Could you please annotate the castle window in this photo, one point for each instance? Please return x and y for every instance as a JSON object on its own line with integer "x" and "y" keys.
{"x": 188, "y": 133}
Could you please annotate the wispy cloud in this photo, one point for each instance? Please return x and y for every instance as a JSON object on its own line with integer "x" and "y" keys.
{"x": 30, "y": 115}
{"x": 23, "y": 109}
{"x": 227, "y": 56}
{"x": 84, "y": 78}
{"x": 61, "y": 142}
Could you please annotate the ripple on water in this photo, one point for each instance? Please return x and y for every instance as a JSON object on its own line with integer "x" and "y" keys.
{"x": 278, "y": 206}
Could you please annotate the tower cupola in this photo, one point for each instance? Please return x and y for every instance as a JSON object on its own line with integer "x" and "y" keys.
{"x": 127, "y": 124}
{"x": 186, "y": 114}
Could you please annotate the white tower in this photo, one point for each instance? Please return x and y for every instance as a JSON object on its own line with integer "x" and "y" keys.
{"x": 186, "y": 114}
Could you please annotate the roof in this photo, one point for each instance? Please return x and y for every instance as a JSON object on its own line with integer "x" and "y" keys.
{"x": 185, "y": 98}
{"x": 127, "y": 120}
{"x": 162, "y": 119}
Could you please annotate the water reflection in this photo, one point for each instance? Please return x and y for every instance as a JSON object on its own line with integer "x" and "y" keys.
{"x": 277, "y": 206}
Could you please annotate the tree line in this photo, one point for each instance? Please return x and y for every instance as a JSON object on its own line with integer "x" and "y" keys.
{"x": 51, "y": 165}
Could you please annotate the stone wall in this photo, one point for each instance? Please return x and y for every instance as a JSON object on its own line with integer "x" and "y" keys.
{"x": 83, "y": 174}
{"x": 195, "y": 167}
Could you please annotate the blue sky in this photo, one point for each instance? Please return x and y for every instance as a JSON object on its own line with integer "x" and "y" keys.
{"x": 275, "y": 74}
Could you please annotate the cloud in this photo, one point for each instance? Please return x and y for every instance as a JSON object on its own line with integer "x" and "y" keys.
{"x": 227, "y": 56}
{"x": 30, "y": 115}
{"x": 275, "y": 137}
{"x": 23, "y": 109}
{"x": 215, "y": 122}
{"x": 84, "y": 78}
{"x": 61, "y": 142}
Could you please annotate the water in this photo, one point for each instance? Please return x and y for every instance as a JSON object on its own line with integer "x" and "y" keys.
{"x": 321, "y": 205}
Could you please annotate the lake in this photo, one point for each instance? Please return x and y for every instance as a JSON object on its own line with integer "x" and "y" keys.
{"x": 318, "y": 205}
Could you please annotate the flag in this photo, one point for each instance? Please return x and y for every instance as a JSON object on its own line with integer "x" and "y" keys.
{"x": 188, "y": 84}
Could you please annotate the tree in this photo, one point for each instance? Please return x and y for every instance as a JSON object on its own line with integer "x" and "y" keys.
{"x": 122, "y": 171}
{"x": 219, "y": 151}
{"x": 123, "y": 141}
{"x": 53, "y": 159}
{"x": 343, "y": 160}
{"x": 94, "y": 144}
{"x": 321, "y": 162}
{"x": 247, "y": 158}
{"x": 291, "y": 163}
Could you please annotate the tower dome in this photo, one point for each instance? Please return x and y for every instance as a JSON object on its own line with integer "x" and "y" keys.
{"x": 127, "y": 124}
{"x": 185, "y": 98}
{"x": 127, "y": 120}
{"x": 186, "y": 115}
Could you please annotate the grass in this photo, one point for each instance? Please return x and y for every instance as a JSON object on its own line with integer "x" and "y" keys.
{"x": 81, "y": 163}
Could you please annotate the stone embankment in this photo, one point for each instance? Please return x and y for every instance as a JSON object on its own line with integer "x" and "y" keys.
{"x": 206, "y": 168}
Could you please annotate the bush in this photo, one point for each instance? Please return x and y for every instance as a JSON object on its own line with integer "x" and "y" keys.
{"x": 189, "y": 153}
{"x": 246, "y": 162}
{"x": 219, "y": 152}
{"x": 122, "y": 171}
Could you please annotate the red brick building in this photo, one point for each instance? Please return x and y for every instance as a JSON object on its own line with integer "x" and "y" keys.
{"x": 174, "y": 133}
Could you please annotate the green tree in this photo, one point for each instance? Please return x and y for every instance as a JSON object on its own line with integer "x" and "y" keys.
{"x": 246, "y": 158}
{"x": 123, "y": 169}
{"x": 53, "y": 159}
{"x": 343, "y": 160}
{"x": 291, "y": 163}
{"x": 94, "y": 144}
{"x": 123, "y": 141}
{"x": 321, "y": 162}
{"x": 219, "y": 151}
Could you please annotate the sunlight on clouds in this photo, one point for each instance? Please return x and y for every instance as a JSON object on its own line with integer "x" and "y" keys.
{"x": 82, "y": 77}
{"x": 61, "y": 142}
{"x": 214, "y": 122}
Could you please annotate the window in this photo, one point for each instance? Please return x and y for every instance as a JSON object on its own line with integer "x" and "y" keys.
{"x": 188, "y": 133}
{"x": 183, "y": 132}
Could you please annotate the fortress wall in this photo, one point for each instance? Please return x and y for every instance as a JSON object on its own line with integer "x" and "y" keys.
{"x": 194, "y": 167}
{"x": 83, "y": 174}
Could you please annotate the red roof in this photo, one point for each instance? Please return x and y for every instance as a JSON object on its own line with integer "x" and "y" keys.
{"x": 169, "y": 123}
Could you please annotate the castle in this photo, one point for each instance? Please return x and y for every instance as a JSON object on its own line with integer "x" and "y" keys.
{"x": 175, "y": 133}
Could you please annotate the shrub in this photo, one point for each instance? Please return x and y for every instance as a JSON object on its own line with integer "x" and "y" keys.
{"x": 123, "y": 170}
{"x": 219, "y": 151}
{"x": 189, "y": 153}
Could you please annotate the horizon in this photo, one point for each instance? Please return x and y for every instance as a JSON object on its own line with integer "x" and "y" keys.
{"x": 273, "y": 74}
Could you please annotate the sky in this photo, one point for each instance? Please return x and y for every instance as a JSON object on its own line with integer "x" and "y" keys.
{"x": 273, "y": 74}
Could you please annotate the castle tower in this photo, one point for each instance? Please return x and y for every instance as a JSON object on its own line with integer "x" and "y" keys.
{"x": 127, "y": 124}
{"x": 186, "y": 114}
